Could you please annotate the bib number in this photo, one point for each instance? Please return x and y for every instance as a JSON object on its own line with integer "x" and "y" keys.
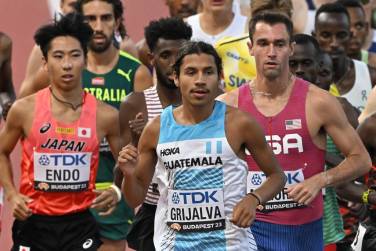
{"x": 196, "y": 210}
{"x": 61, "y": 172}
{"x": 281, "y": 200}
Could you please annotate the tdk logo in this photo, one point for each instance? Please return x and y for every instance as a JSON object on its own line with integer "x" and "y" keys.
{"x": 68, "y": 160}
{"x": 198, "y": 197}
{"x": 170, "y": 151}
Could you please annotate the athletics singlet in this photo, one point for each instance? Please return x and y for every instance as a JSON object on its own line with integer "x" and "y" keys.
{"x": 59, "y": 161}
{"x": 287, "y": 133}
{"x": 200, "y": 180}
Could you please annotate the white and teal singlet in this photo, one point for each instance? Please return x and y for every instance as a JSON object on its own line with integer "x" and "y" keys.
{"x": 200, "y": 179}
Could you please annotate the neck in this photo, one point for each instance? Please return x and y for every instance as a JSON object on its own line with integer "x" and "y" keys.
{"x": 104, "y": 61}
{"x": 215, "y": 22}
{"x": 71, "y": 98}
{"x": 168, "y": 96}
{"x": 271, "y": 87}
{"x": 341, "y": 68}
{"x": 192, "y": 114}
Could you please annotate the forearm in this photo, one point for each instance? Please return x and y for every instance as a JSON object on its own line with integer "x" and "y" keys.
{"x": 272, "y": 186}
{"x": 349, "y": 169}
{"x": 133, "y": 189}
{"x": 6, "y": 177}
{"x": 351, "y": 191}
{"x": 332, "y": 159}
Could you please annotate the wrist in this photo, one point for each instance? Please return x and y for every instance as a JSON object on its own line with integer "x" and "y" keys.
{"x": 324, "y": 180}
{"x": 117, "y": 191}
{"x": 257, "y": 198}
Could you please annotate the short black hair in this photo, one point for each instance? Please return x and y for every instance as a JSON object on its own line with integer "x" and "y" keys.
{"x": 172, "y": 28}
{"x": 72, "y": 24}
{"x": 335, "y": 7}
{"x": 352, "y": 4}
{"x": 116, "y": 4}
{"x": 196, "y": 47}
{"x": 304, "y": 39}
{"x": 271, "y": 18}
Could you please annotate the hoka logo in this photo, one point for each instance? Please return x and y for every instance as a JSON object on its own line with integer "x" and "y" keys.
{"x": 170, "y": 151}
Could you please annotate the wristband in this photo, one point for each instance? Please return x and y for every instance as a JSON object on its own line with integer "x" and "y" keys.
{"x": 117, "y": 191}
{"x": 256, "y": 196}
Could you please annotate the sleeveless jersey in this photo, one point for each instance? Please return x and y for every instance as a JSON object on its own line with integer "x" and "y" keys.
{"x": 239, "y": 67}
{"x": 288, "y": 135}
{"x": 59, "y": 160}
{"x": 111, "y": 88}
{"x": 358, "y": 94}
{"x": 154, "y": 109}
{"x": 236, "y": 28}
{"x": 200, "y": 180}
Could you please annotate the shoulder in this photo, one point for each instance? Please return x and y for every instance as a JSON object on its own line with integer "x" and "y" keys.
{"x": 22, "y": 109}
{"x": 134, "y": 100}
{"x": 372, "y": 73}
{"x": 319, "y": 97}
{"x": 368, "y": 125}
{"x": 230, "y": 98}
{"x": 127, "y": 58}
{"x": 239, "y": 119}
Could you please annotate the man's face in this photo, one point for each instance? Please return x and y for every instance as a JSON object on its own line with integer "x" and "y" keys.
{"x": 65, "y": 62}
{"x": 100, "y": 16}
{"x": 182, "y": 8}
{"x": 332, "y": 31}
{"x": 164, "y": 57}
{"x": 217, "y": 5}
{"x": 198, "y": 79}
{"x": 303, "y": 62}
{"x": 271, "y": 48}
{"x": 325, "y": 73}
{"x": 67, "y": 6}
{"x": 359, "y": 29}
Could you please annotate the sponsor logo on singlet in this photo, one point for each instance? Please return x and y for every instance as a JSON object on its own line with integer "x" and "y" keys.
{"x": 61, "y": 172}
{"x": 196, "y": 210}
{"x": 65, "y": 130}
{"x": 45, "y": 127}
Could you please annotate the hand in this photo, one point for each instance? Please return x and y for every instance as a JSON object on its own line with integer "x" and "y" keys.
{"x": 6, "y": 108}
{"x": 19, "y": 202}
{"x": 127, "y": 156}
{"x": 105, "y": 202}
{"x": 245, "y": 212}
{"x": 304, "y": 192}
{"x": 136, "y": 126}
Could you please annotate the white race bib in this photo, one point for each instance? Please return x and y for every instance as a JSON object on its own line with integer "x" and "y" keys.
{"x": 281, "y": 200}
{"x": 61, "y": 172}
{"x": 196, "y": 210}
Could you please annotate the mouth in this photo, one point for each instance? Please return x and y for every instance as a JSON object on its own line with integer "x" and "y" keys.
{"x": 271, "y": 64}
{"x": 200, "y": 93}
{"x": 99, "y": 39}
{"x": 67, "y": 77}
{"x": 217, "y": 2}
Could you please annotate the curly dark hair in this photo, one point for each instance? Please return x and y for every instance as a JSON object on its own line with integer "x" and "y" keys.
{"x": 172, "y": 28}
{"x": 73, "y": 24}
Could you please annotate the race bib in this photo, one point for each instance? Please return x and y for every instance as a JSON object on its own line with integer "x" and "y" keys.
{"x": 281, "y": 200}
{"x": 196, "y": 210}
{"x": 61, "y": 172}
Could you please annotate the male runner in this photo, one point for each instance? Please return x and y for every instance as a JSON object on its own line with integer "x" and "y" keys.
{"x": 296, "y": 117}
{"x": 359, "y": 32}
{"x": 164, "y": 37}
{"x": 199, "y": 149}
{"x": 110, "y": 75}
{"x": 60, "y": 128}
{"x": 353, "y": 79}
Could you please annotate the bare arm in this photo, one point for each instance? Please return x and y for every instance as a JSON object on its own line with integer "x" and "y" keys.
{"x": 139, "y": 171}
{"x": 7, "y": 94}
{"x": 329, "y": 114}
{"x": 247, "y": 131}
{"x": 10, "y": 134}
{"x": 142, "y": 79}
{"x": 36, "y": 78}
